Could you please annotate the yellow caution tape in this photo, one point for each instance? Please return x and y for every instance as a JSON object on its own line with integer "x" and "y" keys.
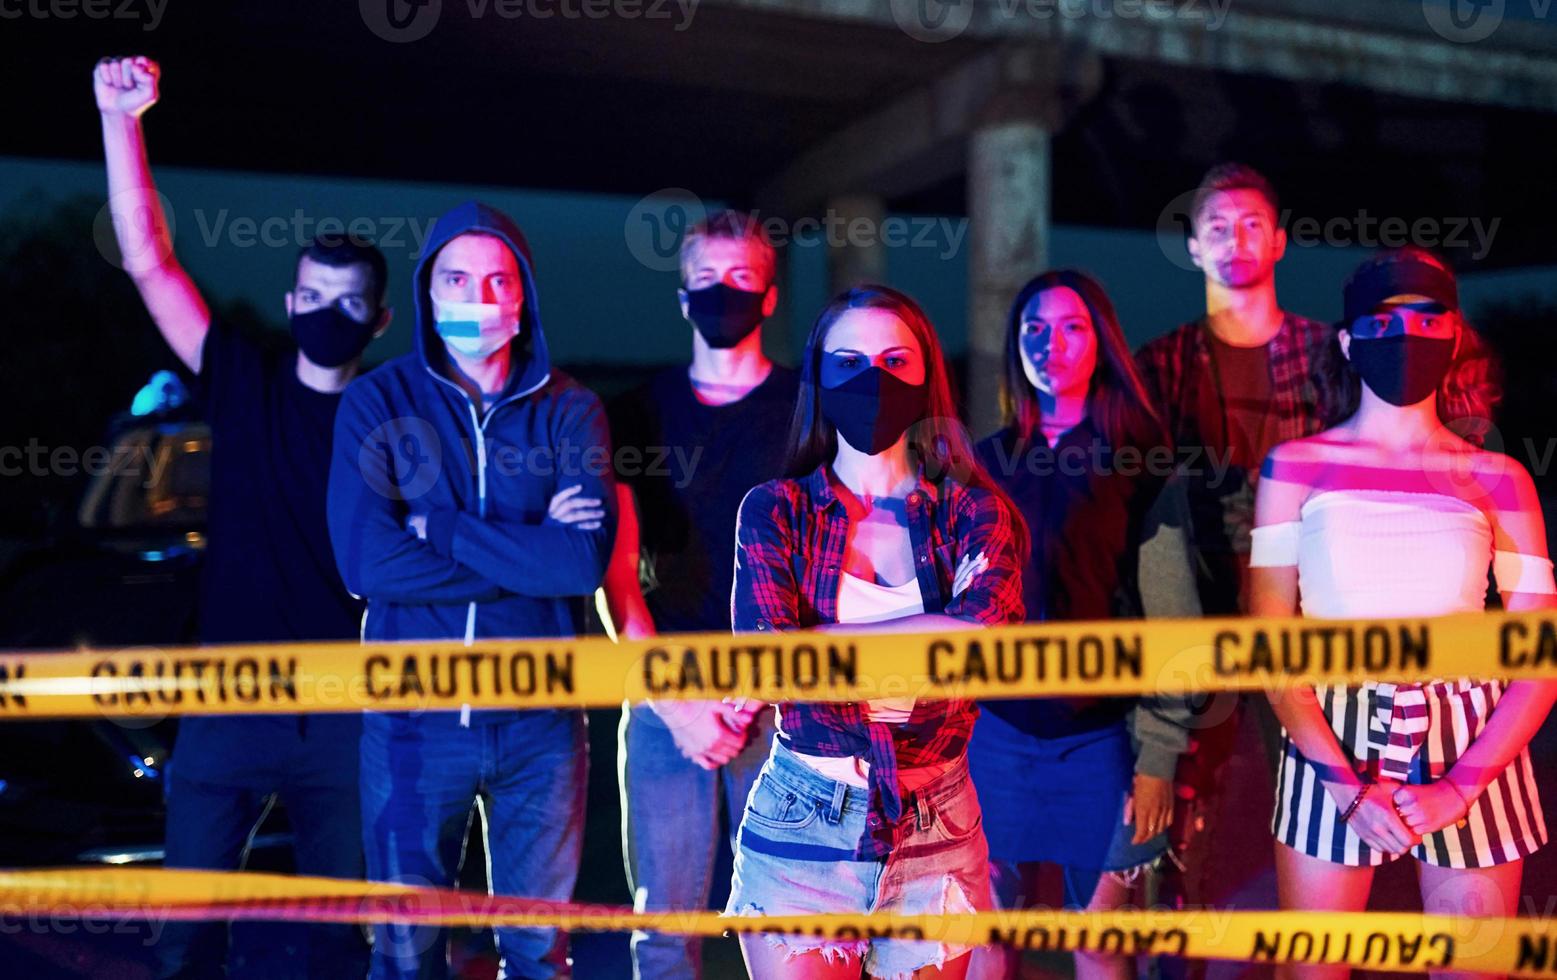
{"x": 1376, "y": 940}
{"x": 1118, "y": 657}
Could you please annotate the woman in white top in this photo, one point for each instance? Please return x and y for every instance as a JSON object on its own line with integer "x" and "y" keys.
{"x": 887, "y": 523}
{"x": 1389, "y": 514}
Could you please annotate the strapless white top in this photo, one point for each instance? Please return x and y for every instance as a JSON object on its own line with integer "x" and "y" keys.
{"x": 1371, "y": 553}
{"x": 1394, "y": 553}
{"x": 1383, "y": 553}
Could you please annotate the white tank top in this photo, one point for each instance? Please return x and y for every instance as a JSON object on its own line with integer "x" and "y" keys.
{"x": 860, "y": 601}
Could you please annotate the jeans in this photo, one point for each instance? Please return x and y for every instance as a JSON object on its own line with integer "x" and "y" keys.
{"x": 420, "y": 777}
{"x": 795, "y": 851}
{"x": 211, "y": 816}
{"x": 670, "y": 830}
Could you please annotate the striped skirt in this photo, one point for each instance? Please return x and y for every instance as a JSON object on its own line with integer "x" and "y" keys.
{"x": 1413, "y": 733}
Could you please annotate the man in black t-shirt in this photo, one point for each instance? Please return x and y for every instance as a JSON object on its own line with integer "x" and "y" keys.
{"x": 269, "y": 573}
{"x": 1230, "y": 386}
{"x": 690, "y": 443}
{"x": 1241, "y": 379}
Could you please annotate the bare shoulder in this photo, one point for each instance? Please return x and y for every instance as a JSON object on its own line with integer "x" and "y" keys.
{"x": 1307, "y": 459}
{"x": 1503, "y": 478}
{"x": 1320, "y": 446}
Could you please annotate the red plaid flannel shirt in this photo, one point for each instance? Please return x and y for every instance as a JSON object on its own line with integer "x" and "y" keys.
{"x": 790, "y": 541}
{"x": 1311, "y": 389}
{"x": 1304, "y": 392}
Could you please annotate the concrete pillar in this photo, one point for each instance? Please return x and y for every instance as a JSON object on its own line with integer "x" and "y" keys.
{"x": 1009, "y": 176}
{"x": 855, "y": 253}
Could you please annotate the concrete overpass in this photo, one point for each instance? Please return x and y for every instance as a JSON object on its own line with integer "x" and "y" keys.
{"x": 991, "y": 118}
{"x": 1016, "y": 113}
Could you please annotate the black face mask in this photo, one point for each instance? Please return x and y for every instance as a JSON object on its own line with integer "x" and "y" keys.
{"x": 724, "y": 315}
{"x": 329, "y": 337}
{"x": 873, "y": 409}
{"x": 1402, "y": 369}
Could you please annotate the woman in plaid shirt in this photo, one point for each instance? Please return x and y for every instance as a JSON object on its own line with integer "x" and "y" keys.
{"x": 886, "y": 523}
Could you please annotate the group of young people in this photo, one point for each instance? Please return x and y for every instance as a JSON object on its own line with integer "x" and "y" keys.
{"x": 845, "y": 496}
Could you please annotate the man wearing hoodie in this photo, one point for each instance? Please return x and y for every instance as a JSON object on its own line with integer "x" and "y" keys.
{"x": 442, "y": 514}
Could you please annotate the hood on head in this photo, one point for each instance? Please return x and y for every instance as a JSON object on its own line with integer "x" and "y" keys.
{"x": 531, "y": 360}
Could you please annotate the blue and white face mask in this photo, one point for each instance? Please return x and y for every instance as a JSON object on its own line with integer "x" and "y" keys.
{"x": 476, "y": 330}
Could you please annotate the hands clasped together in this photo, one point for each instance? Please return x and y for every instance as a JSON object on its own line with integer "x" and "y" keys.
{"x": 1393, "y": 817}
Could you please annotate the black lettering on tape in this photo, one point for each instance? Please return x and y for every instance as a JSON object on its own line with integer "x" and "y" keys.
{"x": 1222, "y": 661}
{"x": 1307, "y": 954}
{"x": 1445, "y": 942}
{"x": 1543, "y": 653}
{"x": 774, "y": 669}
{"x": 370, "y": 669}
{"x": 1013, "y": 660}
{"x": 1367, "y": 948}
{"x": 1267, "y": 947}
{"x": 8, "y": 674}
{"x": 1535, "y": 953}
{"x": 1409, "y": 948}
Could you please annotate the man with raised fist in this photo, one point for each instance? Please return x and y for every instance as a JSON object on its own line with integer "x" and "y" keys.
{"x": 269, "y": 574}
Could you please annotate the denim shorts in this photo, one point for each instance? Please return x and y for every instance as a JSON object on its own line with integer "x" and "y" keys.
{"x": 795, "y": 856}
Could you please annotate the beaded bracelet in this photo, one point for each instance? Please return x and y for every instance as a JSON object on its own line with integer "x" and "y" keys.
{"x": 1356, "y": 802}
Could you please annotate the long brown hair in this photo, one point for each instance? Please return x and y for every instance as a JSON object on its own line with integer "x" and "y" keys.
{"x": 1117, "y": 401}
{"x": 938, "y": 445}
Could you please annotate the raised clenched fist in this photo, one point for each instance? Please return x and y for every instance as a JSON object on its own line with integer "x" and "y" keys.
{"x": 125, "y": 85}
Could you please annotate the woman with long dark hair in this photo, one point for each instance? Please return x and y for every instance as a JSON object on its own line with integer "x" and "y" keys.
{"x": 885, "y": 523}
{"x": 1391, "y": 514}
{"x": 1085, "y": 458}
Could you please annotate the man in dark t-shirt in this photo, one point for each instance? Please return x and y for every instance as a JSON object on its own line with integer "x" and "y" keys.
{"x": 690, "y": 444}
{"x": 1241, "y": 379}
{"x": 1230, "y": 386}
{"x": 269, "y": 573}
{"x": 699, "y": 460}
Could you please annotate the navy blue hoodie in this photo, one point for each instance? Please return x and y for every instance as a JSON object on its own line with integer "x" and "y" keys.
{"x": 409, "y": 441}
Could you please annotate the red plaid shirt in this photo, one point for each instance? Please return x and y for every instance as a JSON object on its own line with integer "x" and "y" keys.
{"x": 1305, "y": 394}
{"x": 790, "y": 540}
{"x": 1311, "y": 389}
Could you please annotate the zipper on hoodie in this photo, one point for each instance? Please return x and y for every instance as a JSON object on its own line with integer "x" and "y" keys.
{"x": 479, "y": 425}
